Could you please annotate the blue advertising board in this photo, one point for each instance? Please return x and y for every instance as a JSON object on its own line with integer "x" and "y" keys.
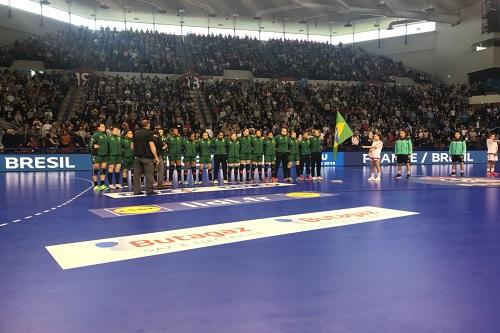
{"x": 418, "y": 157}
{"x": 69, "y": 162}
{"x": 82, "y": 162}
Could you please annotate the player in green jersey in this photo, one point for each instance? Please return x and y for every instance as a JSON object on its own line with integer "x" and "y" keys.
{"x": 316, "y": 150}
{"x": 245, "y": 155}
{"x": 127, "y": 156}
{"x": 305, "y": 156}
{"x": 270, "y": 156}
{"x": 282, "y": 154}
{"x": 457, "y": 151}
{"x": 100, "y": 149}
{"x": 174, "y": 155}
{"x": 114, "y": 158}
{"x": 294, "y": 159}
{"x": 205, "y": 146}
{"x": 233, "y": 155}
{"x": 189, "y": 147}
{"x": 257, "y": 153}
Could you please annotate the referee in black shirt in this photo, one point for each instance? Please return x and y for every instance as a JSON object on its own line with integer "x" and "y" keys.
{"x": 145, "y": 158}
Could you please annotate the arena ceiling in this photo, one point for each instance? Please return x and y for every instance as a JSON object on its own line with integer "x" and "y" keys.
{"x": 320, "y": 17}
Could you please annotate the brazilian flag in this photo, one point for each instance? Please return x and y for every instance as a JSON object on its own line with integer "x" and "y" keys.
{"x": 342, "y": 133}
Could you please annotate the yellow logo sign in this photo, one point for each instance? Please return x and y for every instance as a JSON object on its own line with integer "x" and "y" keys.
{"x": 134, "y": 210}
{"x": 303, "y": 195}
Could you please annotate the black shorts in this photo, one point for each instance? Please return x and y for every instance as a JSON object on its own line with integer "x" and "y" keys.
{"x": 402, "y": 159}
{"x": 457, "y": 158}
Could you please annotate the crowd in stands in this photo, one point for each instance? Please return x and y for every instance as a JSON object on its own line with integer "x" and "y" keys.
{"x": 30, "y": 103}
{"x": 153, "y": 52}
{"x": 105, "y": 49}
{"x": 430, "y": 114}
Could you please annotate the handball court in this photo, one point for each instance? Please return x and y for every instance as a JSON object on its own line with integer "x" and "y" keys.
{"x": 341, "y": 255}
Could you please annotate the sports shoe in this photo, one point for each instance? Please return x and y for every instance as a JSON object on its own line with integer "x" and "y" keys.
{"x": 314, "y": 178}
{"x": 461, "y": 174}
{"x": 452, "y": 174}
{"x": 301, "y": 178}
{"x": 167, "y": 183}
{"x": 103, "y": 188}
{"x": 274, "y": 180}
{"x": 309, "y": 178}
{"x": 408, "y": 176}
{"x": 111, "y": 187}
{"x": 398, "y": 176}
{"x": 125, "y": 186}
{"x": 97, "y": 188}
{"x": 118, "y": 186}
{"x": 371, "y": 179}
{"x": 495, "y": 174}
{"x": 319, "y": 178}
{"x": 376, "y": 179}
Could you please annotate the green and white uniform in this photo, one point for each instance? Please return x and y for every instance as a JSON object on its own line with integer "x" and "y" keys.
{"x": 175, "y": 144}
{"x": 100, "y": 154}
{"x": 115, "y": 150}
{"x": 269, "y": 150}
{"x": 245, "y": 148}
{"x": 233, "y": 152}
{"x": 189, "y": 148}
{"x": 205, "y": 150}
{"x": 257, "y": 149}
{"x": 127, "y": 154}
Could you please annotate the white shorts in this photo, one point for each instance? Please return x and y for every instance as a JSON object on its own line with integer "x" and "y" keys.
{"x": 492, "y": 157}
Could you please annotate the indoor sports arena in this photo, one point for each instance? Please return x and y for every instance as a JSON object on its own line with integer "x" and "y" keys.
{"x": 249, "y": 166}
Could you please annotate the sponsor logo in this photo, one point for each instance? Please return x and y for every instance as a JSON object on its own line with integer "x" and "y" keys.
{"x": 303, "y": 195}
{"x": 93, "y": 252}
{"x": 124, "y": 195}
{"x": 199, "y": 204}
{"x": 459, "y": 181}
{"x": 137, "y": 210}
{"x": 327, "y": 159}
{"x": 45, "y": 162}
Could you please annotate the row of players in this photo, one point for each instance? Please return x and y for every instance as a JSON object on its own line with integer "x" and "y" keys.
{"x": 243, "y": 155}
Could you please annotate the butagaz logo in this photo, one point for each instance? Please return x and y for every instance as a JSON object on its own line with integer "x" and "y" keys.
{"x": 101, "y": 251}
{"x": 38, "y": 163}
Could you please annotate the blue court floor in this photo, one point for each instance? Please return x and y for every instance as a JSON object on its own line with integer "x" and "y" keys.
{"x": 435, "y": 269}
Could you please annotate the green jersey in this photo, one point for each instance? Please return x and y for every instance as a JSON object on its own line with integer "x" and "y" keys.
{"x": 305, "y": 146}
{"x": 403, "y": 147}
{"x": 220, "y": 146}
{"x": 270, "y": 147}
{"x": 127, "y": 147}
{"x": 245, "y": 145}
{"x": 294, "y": 146}
{"x": 205, "y": 147}
{"x": 282, "y": 144}
{"x": 258, "y": 146}
{"x": 233, "y": 149}
{"x": 175, "y": 144}
{"x": 115, "y": 145}
{"x": 457, "y": 147}
{"x": 101, "y": 139}
{"x": 190, "y": 147}
{"x": 316, "y": 144}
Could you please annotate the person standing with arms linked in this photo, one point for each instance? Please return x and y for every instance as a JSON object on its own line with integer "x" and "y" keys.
{"x": 145, "y": 158}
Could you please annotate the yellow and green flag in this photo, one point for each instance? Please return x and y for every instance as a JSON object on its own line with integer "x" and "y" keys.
{"x": 342, "y": 133}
